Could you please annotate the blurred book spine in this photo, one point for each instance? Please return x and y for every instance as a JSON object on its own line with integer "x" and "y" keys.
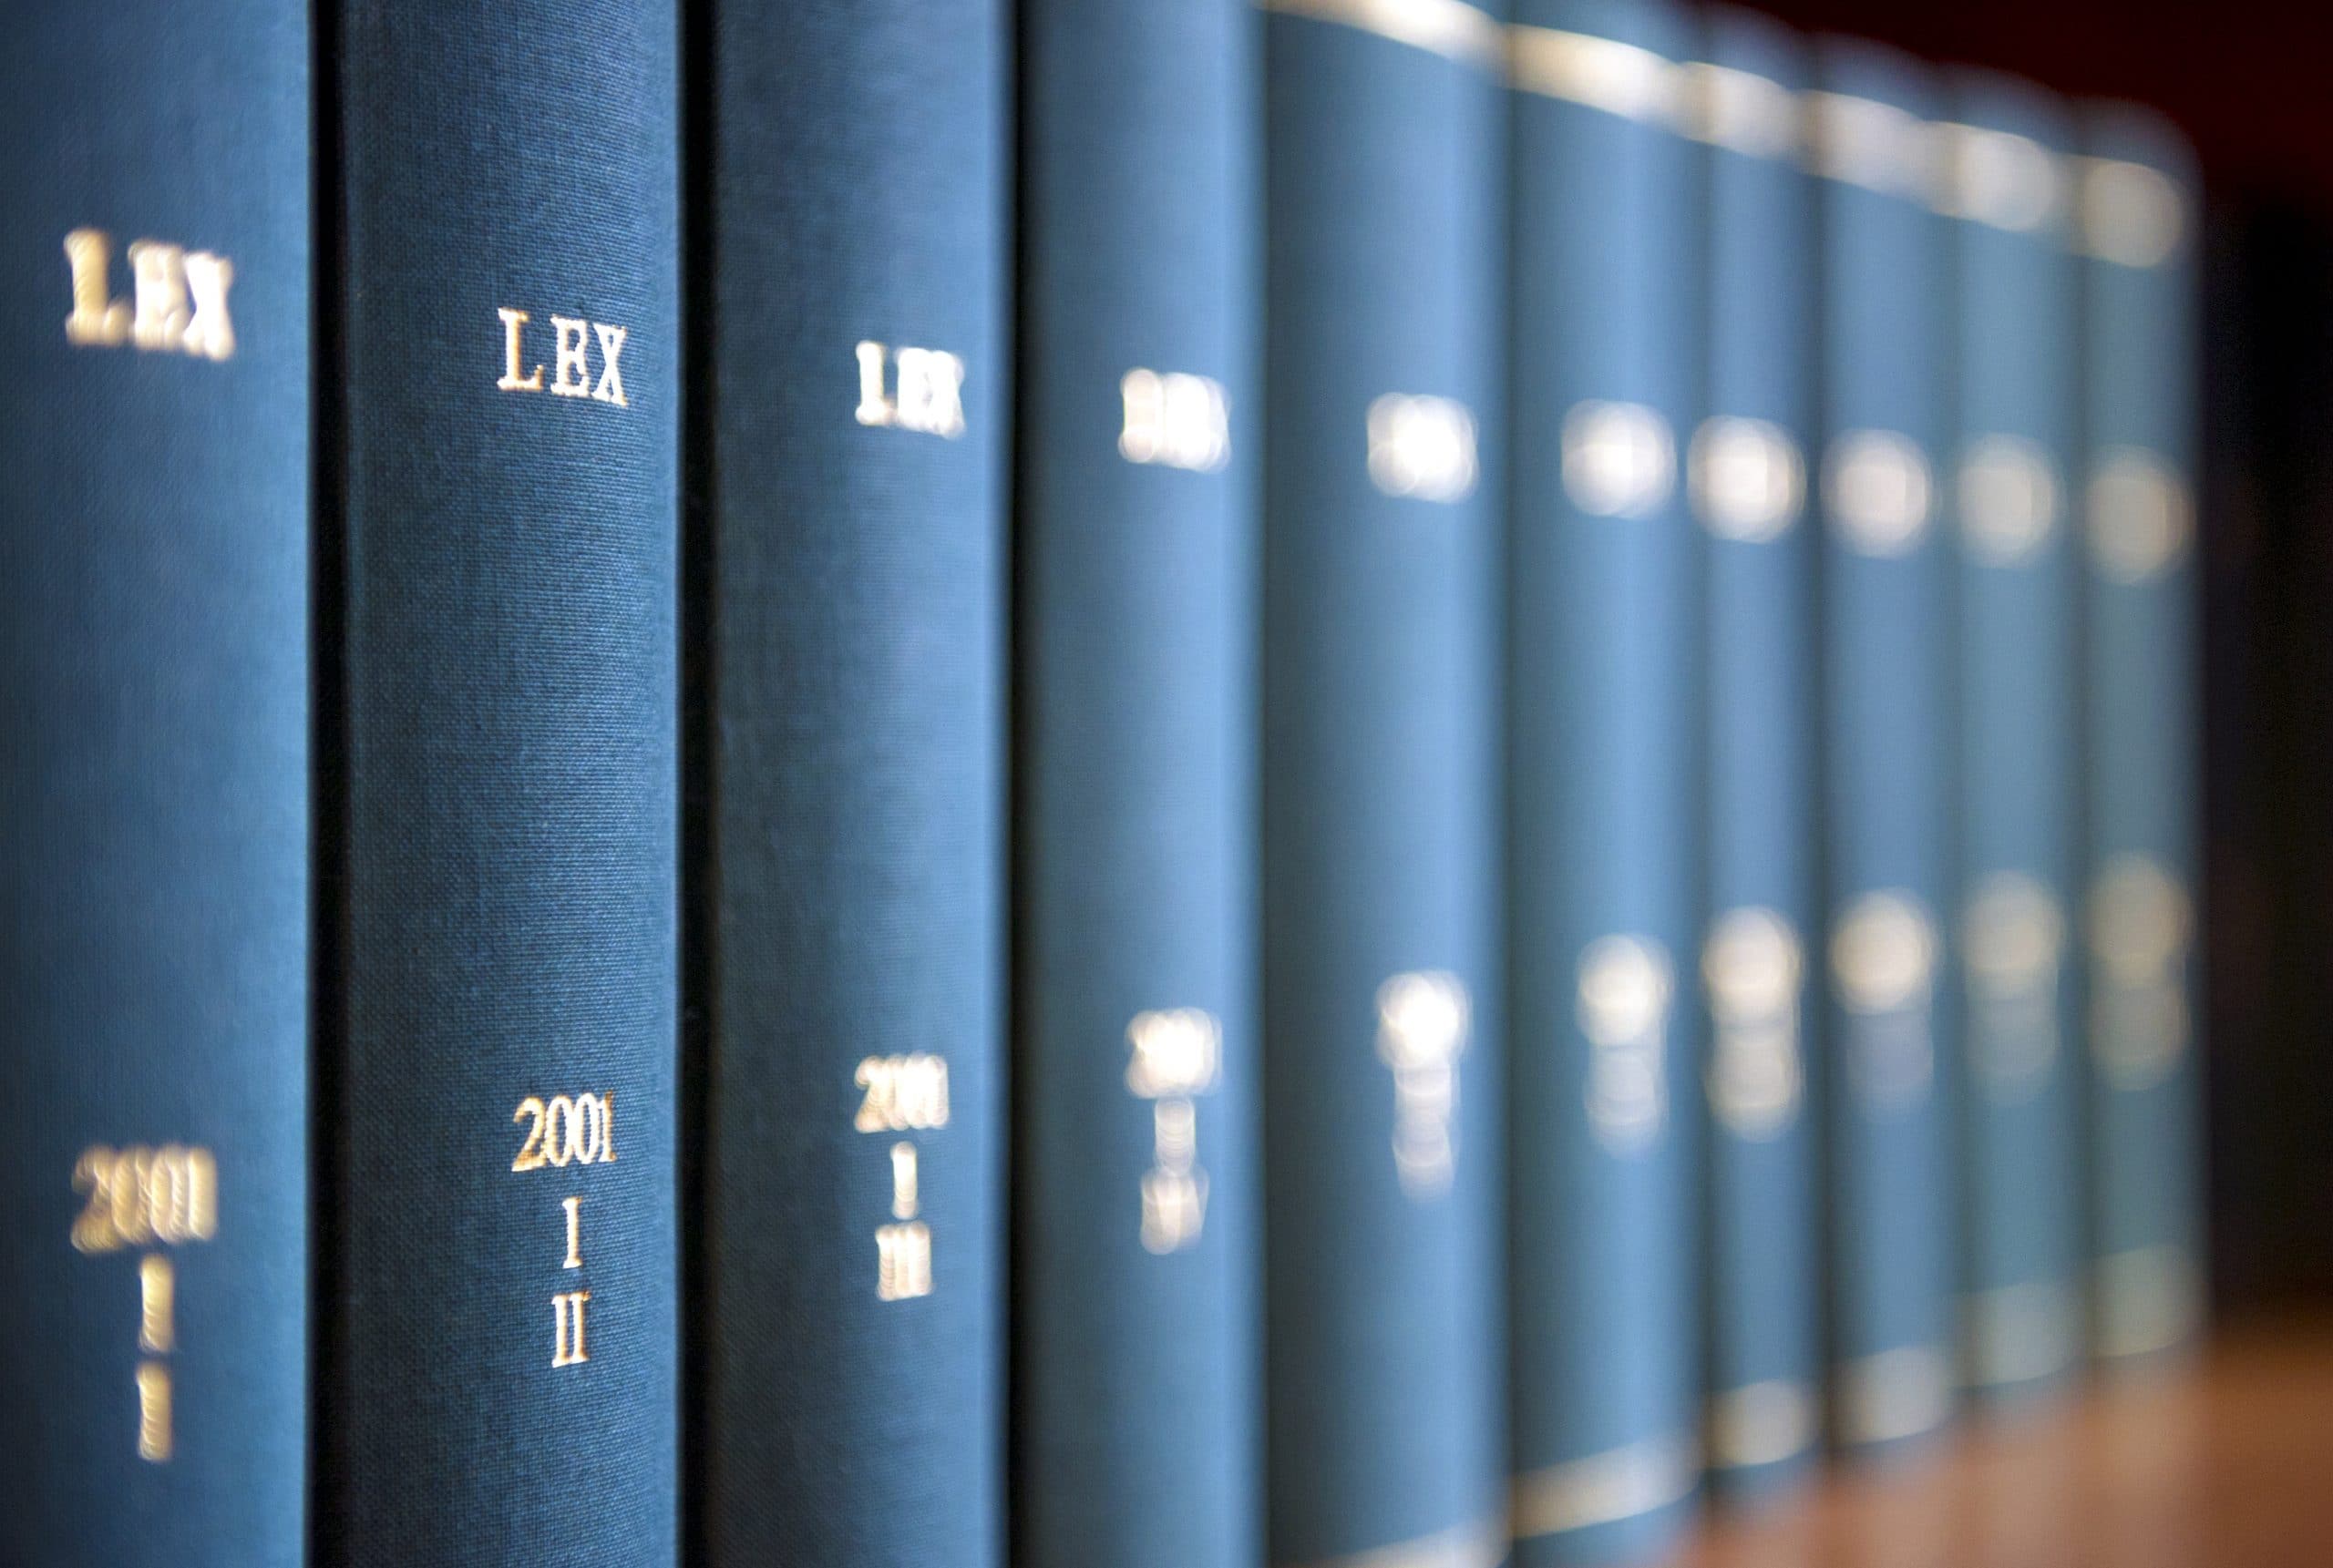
{"x": 1888, "y": 644}
{"x": 2004, "y": 182}
{"x": 154, "y": 803}
{"x": 1384, "y": 183}
{"x": 848, "y": 181}
{"x": 2138, "y": 219}
{"x": 502, "y": 1341}
{"x": 1746, "y": 475}
{"x": 1603, "y": 709}
{"x": 1136, "y": 1182}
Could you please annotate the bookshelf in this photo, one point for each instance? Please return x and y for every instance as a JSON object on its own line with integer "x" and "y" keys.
{"x": 2227, "y": 1459}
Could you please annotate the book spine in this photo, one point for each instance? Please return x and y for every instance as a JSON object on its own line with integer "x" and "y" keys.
{"x": 1386, "y": 1179}
{"x": 1747, "y": 478}
{"x": 1889, "y": 724}
{"x": 1137, "y": 1187}
{"x": 502, "y": 1338}
{"x": 2138, "y": 237}
{"x": 154, "y": 814}
{"x": 1604, "y": 800}
{"x": 2014, "y": 356}
{"x": 847, "y": 300}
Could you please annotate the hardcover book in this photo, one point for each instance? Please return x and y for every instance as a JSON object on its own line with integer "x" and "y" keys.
{"x": 1887, "y": 682}
{"x": 1746, "y": 475}
{"x": 2137, "y": 231}
{"x": 2015, "y": 319}
{"x": 501, "y": 1338}
{"x": 1603, "y": 803}
{"x": 1136, "y": 1184}
{"x": 846, "y": 944}
{"x": 155, "y": 291}
{"x": 1386, "y": 1180}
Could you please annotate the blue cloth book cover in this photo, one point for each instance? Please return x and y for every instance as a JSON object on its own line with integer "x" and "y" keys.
{"x": 1888, "y": 747}
{"x": 1747, "y": 480}
{"x": 851, "y": 394}
{"x": 501, "y": 1340}
{"x": 2006, "y": 190}
{"x": 155, "y": 290}
{"x": 1603, "y": 850}
{"x": 2138, "y": 217}
{"x": 1385, "y": 1185}
{"x": 1137, "y": 1402}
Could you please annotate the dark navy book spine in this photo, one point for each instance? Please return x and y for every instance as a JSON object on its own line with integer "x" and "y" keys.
{"x": 501, "y": 1340}
{"x": 1385, "y": 1180}
{"x": 1136, "y": 1186}
{"x": 2004, "y": 181}
{"x": 1746, "y": 477}
{"x": 2138, "y": 232}
{"x": 154, "y": 813}
{"x": 1603, "y": 854}
{"x": 1886, "y": 675}
{"x": 848, "y": 285}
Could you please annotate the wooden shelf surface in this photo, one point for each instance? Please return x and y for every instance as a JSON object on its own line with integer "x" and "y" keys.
{"x": 2227, "y": 1460}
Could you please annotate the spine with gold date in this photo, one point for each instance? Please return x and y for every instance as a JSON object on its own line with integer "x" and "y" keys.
{"x": 1135, "y": 1200}
{"x": 1384, "y": 1169}
{"x": 1603, "y": 742}
{"x": 2137, "y": 218}
{"x": 1746, "y": 479}
{"x": 155, "y": 292}
{"x": 848, "y": 191}
{"x": 2003, "y": 166}
{"x": 1886, "y": 792}
{"x": 500, "y": 1336}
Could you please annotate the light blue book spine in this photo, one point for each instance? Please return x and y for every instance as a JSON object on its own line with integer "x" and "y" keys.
{"x": 1385, "y": 1180}
{"x": 1887, "y": 642}
{"x": 2005, "y": 189}
{"x": 1604, "y": 803}
{"x": 2139, "y": 373}
{"x": 1746, "y": 479}
{"x": 1137, "y": 1408}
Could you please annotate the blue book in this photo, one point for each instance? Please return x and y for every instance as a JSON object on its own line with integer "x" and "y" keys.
{"x": 1603, "y": 711}
{"x": 2138, "y": 380}
{"x": 1137, "y": 1430}
{"x": 2004, "y": 185}
{"x": 1887, "y": 681}
{"x": 847, "y": 957}
{"x": 1747, "y": 478}
{"x": 1386, "y": 1180}
{"x": 501, "y": 1338}
{"x": 155, "y": 294}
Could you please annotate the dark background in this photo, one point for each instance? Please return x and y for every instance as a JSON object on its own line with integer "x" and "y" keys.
{"x": 2252, "y": 86}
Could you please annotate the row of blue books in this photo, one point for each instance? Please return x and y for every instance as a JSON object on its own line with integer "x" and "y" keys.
{"x": 1169, "y": 783}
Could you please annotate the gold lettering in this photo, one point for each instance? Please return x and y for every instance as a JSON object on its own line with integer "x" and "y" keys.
{"x": 153, "y": 1412}
{"x": 97, "y": 317}
{"x": 158, "y": 279}
{"x": 568, "y": 1348}
{"x": 513, "y": 321}
{"x": 904, "y": 1195}
{"x": 210, "y": 335}
{"x": 574, "y": 1207}
{"x": 610, "y": 387}
{"x": 902, "y": 1260}
{"x": 157, "y": 1295}
{"x": 1176, "y": 419}
{"x": 903, "y": 1093}
{"x": 568, "y": 355}
{"x": 135, "y": 1195}
{"x": 1177, "y": 1055}
{"x": 874, "y": 408}
{"x": 928, "y": 393}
